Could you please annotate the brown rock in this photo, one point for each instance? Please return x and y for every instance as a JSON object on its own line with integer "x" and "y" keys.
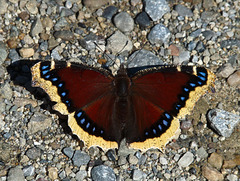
{"x": 24, "y": 15}
{"x": 234, "y": 79}
{"x": 94, "y": 4}
{"x": 26, "y": 52}
{"x": 174, "y": 50}
{"x": 232, "y": 163}
{"x": 212, "y": 174}
{"x": 215, "y": 160}
{"x": 12, "y": 43}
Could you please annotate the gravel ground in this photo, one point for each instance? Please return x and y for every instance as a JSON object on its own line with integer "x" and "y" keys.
{"x": 35, "y": 142}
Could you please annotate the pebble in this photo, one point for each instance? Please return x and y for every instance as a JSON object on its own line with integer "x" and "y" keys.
{"x": 14, "y": 174}
{"x": 174, "y": 50}
{"x": 38, "y": 122}
{"x": 80, "y": 175}
{"x": 232, "y": 163}
{"x": 32, "y": 6}
{"x": 124, "y": 22}
{"x": 215, "y": 160}
{"x": 36, "y": 27}
{"x": 122, "y": 160}
{"x": 184, "y": 56}
{"x": 52, "y": 173}
{"x": 132, "y": 159}
{"x": 156, "y": 8}
{"x": 109, "y": 12}
{"x": 65, "y": 35}
{"x": 118, "y": 43}
{"x": 111, "y": 154}
{"x": 234, "y": 79}
{"x": 68, "y": 151}
{"x": 29, "y": 171}
{"x": 94, "y": 4}
{"x": 33, "y": 153}
{"x": 80, "y": 158}
{"x": 103, "y": 173}
{"x": 3, "y": 52}
{"x": 6, "y": 91}
{"x": 186, "y": 159}
{"x": 143, "y": 20}
{"x": 61, "y": 24}
{"x": 225, "y": 71}
{"x": 143, "y": 58}
{"x": 232, "y": 177}
{"x": 183, "y": 10}
{"x": 163, "y": 161}
{"x": 212, "y": 174}
{"x": 159, "y": 34}
{"x": 137, "y": 174}
{"x": 24, "y": 15}
{"x": 200, "y": 47}
{"x": 26, "y": 52}
{"x": 3, "y": 7}
{"x": 201, "y": 153}
{"x": 222, "y": 121}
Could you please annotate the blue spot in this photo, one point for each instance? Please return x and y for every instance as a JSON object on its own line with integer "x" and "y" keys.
{"x": 60, "y": 85}
{"x": 160, "y": 127}
{"x": 192, "y": 84}
{"x": 47, "y": 76}
{"x": 87, "y": 126}
{"x": 146, "y": 133}
{"x": 82, "y": 121}
{"x": 199, "y": 83}
{"x": 94, "y": 129}
{"x": 67, "y": 101}
{"x": 186, "y": 89}
{"x": 202, "y": 78}
{"x": 165, "y": 122}
{"x": 167, "y": 115}
{"x": 79, "y": 114}
{"x": 101, "y": 132}
{"x": 63, "y": 94}
{"x": 44, "y": 67}
{"x": 182, "y": 98}
{"x": 45, "y": 71}
{"x": 54, "y": 79}
{"x": 203, "y": 74}
{"x": 178, "y": 106}
{"x": 154, "y": 131}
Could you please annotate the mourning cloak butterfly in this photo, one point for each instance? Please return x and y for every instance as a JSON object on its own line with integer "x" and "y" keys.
{"x": 141, "y": 106}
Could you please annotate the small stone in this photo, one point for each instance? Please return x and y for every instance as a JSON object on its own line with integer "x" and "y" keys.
{"x": 47, "y": 22}
{"x": 26, "y": 52}
{"x": 36, "y": 27}
{"x": 3, "y": 52}
{"x": 14, "y": 174}
{"x": 225, "y": 71}
{"x": 64, "y": 35}
{"x": 183, "y": 10}
{"x": 61, "y": 24}
{"x": 232, "y": 177}
{"x": 12, "y": 43}
{"x": 111, "y": 154}
{"x": 118, "y": 43}
{"x": 174, "y": 50}
{"x": 215, "y": 160}
{"x": 65, "y": 12}
{"x": 124, "y": 22}
{"x": 143, "y": 58}
{"x": 184, "y": 56}
{"x": 234, "y": 79}
{"x": 29, "y": 171}
{"x": 208, "y": 4}
{"x": 3, "y": 7}
{"x": 13, "y": 55}
{"x": 122, "y": 160}
{"x": 232, "y": 163}
{"x": 186, "y": 159}
{"x": 33, "y": 153}
{"x": 6, "y": 91}
{"x": 109, "y": 12}
{"x": 156, "y": 8}
{"x": 186, "y": 124}
{"x": 137, "y": 174}
{"x": 103, "y": 173}
{"x": 142, "y": 160}
{"x": 80, "y": 158}
{"x": 200, "y": 47}
{"x": 208, "y": 34}
{"x": 32, "y": 6}
{"x": 132, "y": 159}
{"x": 38, "y": 122}
{"x": 68, "y": 151}
{"x": 52, "y": 173}
{"x": 143, "y": 20}
{"x": 81, "y": 175}
{"x": 159, "y": 34}
{"x": 94, "y": 4}
{"x": 24, "y": 15}
{"x": 212, "y": 174}
{"x": 222, "y": 121}
{"x": 28, "y": 40}
{"x": 163, "y": 161}
{"x": 201, "y": 153}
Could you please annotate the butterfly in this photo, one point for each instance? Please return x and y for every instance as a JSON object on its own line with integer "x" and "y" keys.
{"x": 140, "y": 105}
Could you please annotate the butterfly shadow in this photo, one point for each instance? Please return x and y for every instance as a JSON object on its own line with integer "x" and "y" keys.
{"x": 20, "y": 75}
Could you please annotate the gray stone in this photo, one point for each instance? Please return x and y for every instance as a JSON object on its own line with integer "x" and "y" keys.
{"x": 186, "y": 159}
{"x": 68, "y": 151}
{"x": 143, "y": 20}
{"x": 103, "y": 173}
{"x": 229, "y": 43}
{"x": 143, "y": 58}
{"x": 142, "y": 160}
{"x": 3, "y": 52}
{"x": 36, "y": 27}
{"x": 33, "y": 153}
{"x": 124, "y": 22}
{"x": 200, "y": 47}
{"x": 122, "y": 160}
{"x": 14, "y": 174}
{"x": 109, "y": 12}
{"x": 80, "y": 158}
{"x": 137, "y": 174}
{"x": 163, "y": 160}
{"x": 183, "y": 10}
{"x": 29, "y": 171}
{"x": 156, "y": 8}
{"x": 3, "y": 7}
{"x": 234, "y": 79}
{"x": 208, "y": 34}
{"x": 118, "y": 43}
{"x": 226, "y": 70}
{"x": 32, "y": 6}
{"x": 66, "y": 12}
{"x": 61, "y": 23}
{"x": 6, "y": 91}
{"x": 38, "y": 122}
{"x": 55, "y": 54}
{"x": 222, "y": 121}
{"x": 13, "y": 55}
{"x": 80, "y": 175}
{"x": 64, "y": 35}
{"x": 159, "y": 34}
{"x": 196, "y": 33}
{"x": 201, "y": 153}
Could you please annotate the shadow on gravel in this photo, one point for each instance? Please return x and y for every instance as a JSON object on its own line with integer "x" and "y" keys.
{"x": 20, "y": 74}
